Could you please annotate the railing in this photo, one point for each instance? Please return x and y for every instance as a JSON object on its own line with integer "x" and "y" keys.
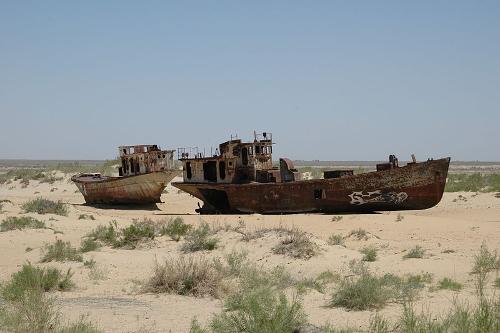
{"x": 189, "y": 152}
{"x": 264, "y": 136}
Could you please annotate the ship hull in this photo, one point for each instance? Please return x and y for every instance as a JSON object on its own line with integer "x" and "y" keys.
{"x": 137, "y": 189}
{"x": 414, "y": 186}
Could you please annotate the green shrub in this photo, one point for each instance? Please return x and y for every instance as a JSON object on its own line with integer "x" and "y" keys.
{"x": 31, "y": 278}
{"x": 485, "y": 261}
{"x": 34, "y": 312}
{"x": 249, "y": 276}
{"x": 105, "y": 234}
{"x": 31, "y": 312}
{"x": 252, "y": 277}
{"x": 318, "y": 283}
{"x": 362, "y": 290}
{"x": 200, "y": 239}
{"x": 45, "y": 206}
{"x": 86, "y": 217}
{"x": 234, "y": 264}
{"x": 175, "y": 228}
{"x": 369, "y": 253}
{"x": 484, "y": 317}
{"x": 496, "y": 283}
{"x": 134, "y": 233}
{"x": 186, "y": 276}
{"x": 22, "y": 222}
{"x": 362, "y": 293}
{"x": 416, "y": 252}
{"x": 88, "y": 245}
{"x": 336, "y": 239}
{"x": 447, "y": 283}
{"x": 60, "y": 251}
{"x": 418, "y": 280}
{"x": 297, "y": 244}
{"x": 261, "y": 311}
{"x": 328, "y": 277}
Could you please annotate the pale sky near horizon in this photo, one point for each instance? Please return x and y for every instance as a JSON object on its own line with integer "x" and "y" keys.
{"x": 332, "y": 80}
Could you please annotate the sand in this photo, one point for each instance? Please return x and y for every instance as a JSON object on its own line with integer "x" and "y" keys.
{"x": 109, "y": 295}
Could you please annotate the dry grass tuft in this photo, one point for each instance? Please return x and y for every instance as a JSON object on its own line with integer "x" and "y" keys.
{"x": 186, "y": 276}
{"x": 359, "y": 234}
{"x": 297, "y": 244}
{"x": 336, "y": 239}
{"x": 416, "y": 252}
{"x": 369, "y": 253}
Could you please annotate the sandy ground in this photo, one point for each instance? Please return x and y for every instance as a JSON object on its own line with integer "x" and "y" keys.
{"x": 111, "y": 299}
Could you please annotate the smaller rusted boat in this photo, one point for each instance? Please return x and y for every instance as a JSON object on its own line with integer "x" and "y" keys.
{"x": 144, "y": 173}
{"x": 240, "y": 178}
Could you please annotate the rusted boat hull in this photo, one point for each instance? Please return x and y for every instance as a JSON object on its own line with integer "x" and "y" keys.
{"x": 138, "y": 189}
{"x": 414, "y": 186}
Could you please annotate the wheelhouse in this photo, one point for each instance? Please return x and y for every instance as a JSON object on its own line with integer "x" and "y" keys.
{"x": 141, "y": 159}
{"x": 235, "y": 161}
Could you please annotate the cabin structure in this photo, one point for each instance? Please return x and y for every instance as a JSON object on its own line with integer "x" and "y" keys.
{"x": 142, "y": 159}
{"x": 235, "y": 161}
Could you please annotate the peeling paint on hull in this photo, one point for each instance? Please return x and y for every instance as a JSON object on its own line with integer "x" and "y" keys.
{"x": 414, "y": 186}
{"x": 138, "y": 189}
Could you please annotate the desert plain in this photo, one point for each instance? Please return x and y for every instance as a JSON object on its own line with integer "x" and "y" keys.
{"x": 110, "y": 294}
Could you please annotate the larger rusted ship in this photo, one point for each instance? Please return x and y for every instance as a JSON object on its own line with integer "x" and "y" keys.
{"x": 240, "y": 178}
{"x": 144, "y": 173}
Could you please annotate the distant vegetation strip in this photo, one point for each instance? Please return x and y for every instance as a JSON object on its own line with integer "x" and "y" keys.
{"x": 475, "y": 182}
{"x": 46, "y": 173}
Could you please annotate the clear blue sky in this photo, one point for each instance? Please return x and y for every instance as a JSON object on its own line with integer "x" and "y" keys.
{"x": 333, "y": 80}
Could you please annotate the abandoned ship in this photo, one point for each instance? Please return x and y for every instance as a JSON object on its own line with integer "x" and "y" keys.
{"x": 240, "y": 178}
{"x": 144, "y": 173}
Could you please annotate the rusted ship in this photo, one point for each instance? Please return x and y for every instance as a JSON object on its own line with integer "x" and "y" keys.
{"x": 240, "y": 178}
{"x": 144, "y": 173}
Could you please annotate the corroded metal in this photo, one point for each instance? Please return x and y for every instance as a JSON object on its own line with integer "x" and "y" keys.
{"x": 144, "y": 173}
{"x": 414, "y": 186}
